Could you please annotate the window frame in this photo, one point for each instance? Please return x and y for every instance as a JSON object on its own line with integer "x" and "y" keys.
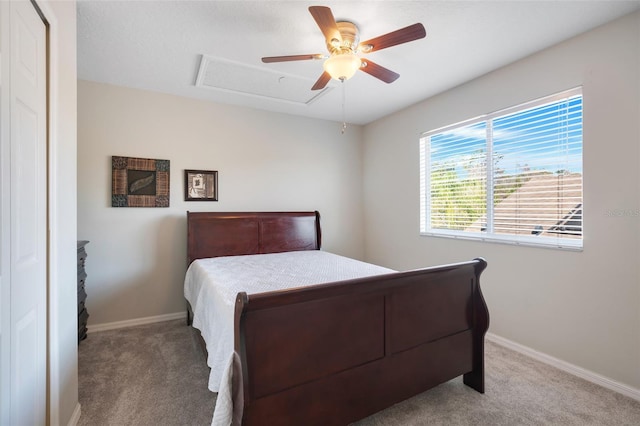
{"x": 489, "y": 236}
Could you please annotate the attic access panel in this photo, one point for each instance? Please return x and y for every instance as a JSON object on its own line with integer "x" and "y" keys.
{"x": 235, "y": 77}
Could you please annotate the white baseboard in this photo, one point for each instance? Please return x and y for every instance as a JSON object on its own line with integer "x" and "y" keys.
{"x": 567, "y": 367}
{"x": 75, "y": 417}
{"x": 137, "y": 321}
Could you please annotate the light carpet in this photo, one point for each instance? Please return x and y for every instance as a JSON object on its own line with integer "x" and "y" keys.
{"x": 156, "y": 375}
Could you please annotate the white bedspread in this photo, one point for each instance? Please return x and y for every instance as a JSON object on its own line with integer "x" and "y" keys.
{"x": 211, "y": 286}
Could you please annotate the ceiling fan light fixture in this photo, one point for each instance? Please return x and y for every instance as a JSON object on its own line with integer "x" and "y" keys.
{"x": 343, "y": 66}
{"x": 343, "y": 43}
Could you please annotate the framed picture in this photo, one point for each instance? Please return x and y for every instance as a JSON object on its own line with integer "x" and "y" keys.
{"x": 200, "y": 185}
{"x": 139, "y": 182}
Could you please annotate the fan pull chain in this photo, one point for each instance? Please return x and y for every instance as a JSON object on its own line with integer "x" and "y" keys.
{"x": 344, "y": 120}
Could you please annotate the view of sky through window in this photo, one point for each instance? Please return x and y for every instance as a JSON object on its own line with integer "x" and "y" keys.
{"x": 534, "y": 176}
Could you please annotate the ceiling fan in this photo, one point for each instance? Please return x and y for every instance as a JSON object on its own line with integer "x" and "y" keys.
{"x": 343, "y": 43}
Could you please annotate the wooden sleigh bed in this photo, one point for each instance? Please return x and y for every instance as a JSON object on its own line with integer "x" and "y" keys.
{"x": 333, "y": 353}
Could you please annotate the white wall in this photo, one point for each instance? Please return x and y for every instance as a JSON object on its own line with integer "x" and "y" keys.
{"x": 63, "y": 292}
{"x": 583, "y": 308}
{"x": 266, "y": 162}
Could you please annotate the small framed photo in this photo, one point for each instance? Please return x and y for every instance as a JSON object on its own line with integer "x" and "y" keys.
{"x": 200, "y": 185}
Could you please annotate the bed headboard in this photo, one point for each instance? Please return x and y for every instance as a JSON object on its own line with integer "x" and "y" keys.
{"x": 213, "y": 234}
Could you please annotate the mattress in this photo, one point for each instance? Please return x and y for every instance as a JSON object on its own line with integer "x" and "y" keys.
{"x": 211, "y": 286}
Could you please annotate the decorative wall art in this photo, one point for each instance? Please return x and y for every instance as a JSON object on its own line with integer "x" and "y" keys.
{"x": 200, "y": 185}
{"x": 139, "y": 182}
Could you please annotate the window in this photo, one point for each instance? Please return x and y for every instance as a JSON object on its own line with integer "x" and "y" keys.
{"x": 512, "y": 176}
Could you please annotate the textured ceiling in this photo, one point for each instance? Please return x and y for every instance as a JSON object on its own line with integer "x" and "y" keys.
{"x": 159, "y": 46}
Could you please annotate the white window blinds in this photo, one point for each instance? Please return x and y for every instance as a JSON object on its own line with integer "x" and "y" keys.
{"x": 514, "y": 175}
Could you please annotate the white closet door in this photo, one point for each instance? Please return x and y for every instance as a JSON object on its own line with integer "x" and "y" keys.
{"x": 28, "y": 144}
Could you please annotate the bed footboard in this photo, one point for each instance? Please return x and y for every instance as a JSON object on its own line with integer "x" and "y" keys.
{"x": 336, "y": 353}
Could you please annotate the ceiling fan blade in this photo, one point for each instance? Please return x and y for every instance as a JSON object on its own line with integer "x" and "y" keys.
{"x": 403, "y": 35}
{"x": 378, "y": 71}
{"x": 270, "y": 59}
{"x": 327, "y": 23}
{"x": 322, "y": 81}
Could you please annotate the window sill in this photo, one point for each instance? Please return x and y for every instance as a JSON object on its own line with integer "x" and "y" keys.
{"x": 548, "y": 243}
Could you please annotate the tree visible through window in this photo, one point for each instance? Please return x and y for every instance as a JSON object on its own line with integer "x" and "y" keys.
{"x": 513, "y": 176}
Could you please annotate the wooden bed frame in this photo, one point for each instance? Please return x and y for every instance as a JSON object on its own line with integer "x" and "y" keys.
{"x": 334, "y": 353}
